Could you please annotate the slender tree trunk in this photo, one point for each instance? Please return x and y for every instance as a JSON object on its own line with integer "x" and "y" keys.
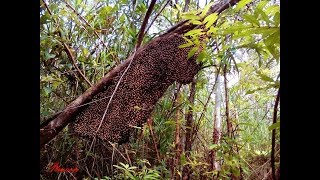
{"x": 275, "y": 111}
{"x": 186, "y": 6}
{"x": 189, "y": 125}
{"x": 229, "y": 125}
{"x": 178, "y": 147}
{"x": 216, "y": 136}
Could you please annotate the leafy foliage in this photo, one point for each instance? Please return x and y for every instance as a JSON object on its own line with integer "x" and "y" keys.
{"x": 101, "y": 34}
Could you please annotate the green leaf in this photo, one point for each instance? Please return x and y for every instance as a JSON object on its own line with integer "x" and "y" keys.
{"x": 241, "y": 4}
{"x": 272, "y": 10}
{"x": 47, "y": 90}
{"x": 186, "y": 45}
{"x": 122, "y": 18}
{"x": 262, "y": 4}
{"x": 210, "y": 19}
{"x": 213, "y": 30}
{"x": 213, "y": 146}
{"x": 206, "y": 9}
{"x": 193, "y": 32}
{"x": 202, "y": 56}
{"x": 251, "y": 19}
{"x": 276, "y": 19}
{"x": 196, "y": 22}
{"x": 190, "y": 16}
{"x": 250, "y": 92}
{"x": 274, "y": 126}
{"x": 265, "y": 77}
{"x": 192, "y": 52}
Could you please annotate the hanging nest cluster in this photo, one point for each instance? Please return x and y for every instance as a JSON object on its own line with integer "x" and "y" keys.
{"x": 154, "y": 68}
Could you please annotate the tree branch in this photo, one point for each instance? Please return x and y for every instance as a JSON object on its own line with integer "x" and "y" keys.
{"x": 144, "y": 23}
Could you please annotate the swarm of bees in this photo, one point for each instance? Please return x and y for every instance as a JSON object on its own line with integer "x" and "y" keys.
{"x": 154, "y": 68}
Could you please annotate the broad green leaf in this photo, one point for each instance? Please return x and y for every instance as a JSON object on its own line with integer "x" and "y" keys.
{"x": 210, "y": 19}
{"x": 251, "y": 19}
{"x": 206, "y": 9}
{"x": 274, "y": 126}
{"x": 241, "y": 4}
{"x": 192, "y": 52}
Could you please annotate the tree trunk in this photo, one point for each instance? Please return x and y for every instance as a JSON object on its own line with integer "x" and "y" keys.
{"x": 189, "y": 125}
{"x": 178, "y": 147}
{"x": 216, "y": 136}
{"x": 229, "y": 125}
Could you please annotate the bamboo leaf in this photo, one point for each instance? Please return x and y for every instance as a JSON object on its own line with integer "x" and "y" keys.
{"x": 193, "y": 32}
{"x": 241, "y": 4}
{"x": 251, "y": 19}
{"x": 206, "y": 9}
{"x": 192, "y": 52}
{"x": 274, "y": 126}
{"x": 190, "y": 16}
{"x": 210, "y": 19}
{"x": 196, "y": 22}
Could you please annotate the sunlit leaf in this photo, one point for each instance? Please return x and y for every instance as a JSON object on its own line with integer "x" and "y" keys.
{"x": 209, "y": 20}
{"x": 251, "y": 19}
{"x": 193, "y": 32}
{"x": 241, "y": 4}
{"x": 192, "y": 52}
{"x": 206, "y": 9}
{"x": 191, "y": 17}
